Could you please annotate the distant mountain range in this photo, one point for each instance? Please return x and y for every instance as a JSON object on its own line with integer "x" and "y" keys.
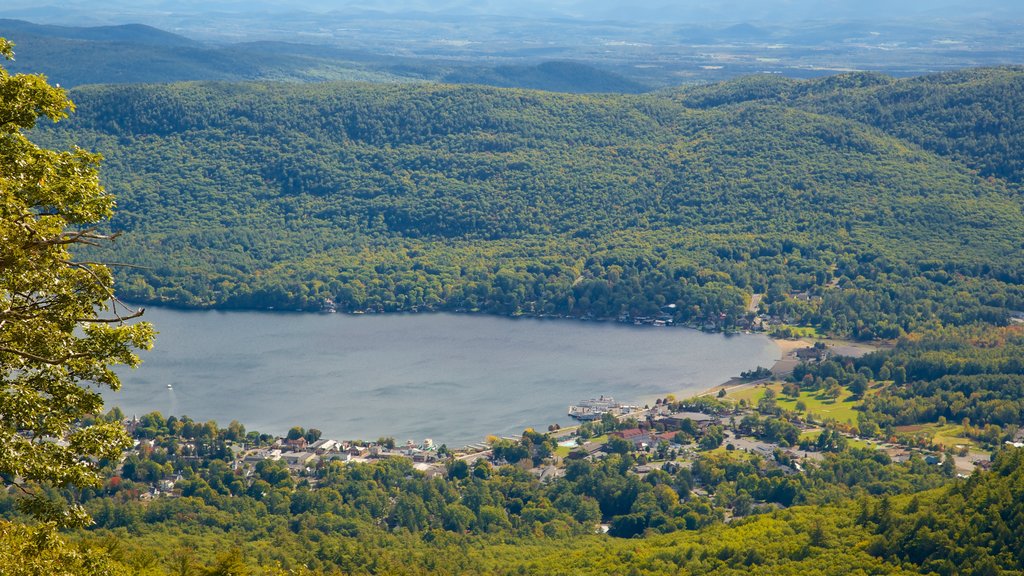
{"x": 136, "y": 53}
{"x": 563, "y": 55}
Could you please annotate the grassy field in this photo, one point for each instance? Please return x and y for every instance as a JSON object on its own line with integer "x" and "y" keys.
{"x": 819, "y": 407}
{"x": 798, "y": 331}
{"x": 948, "y": 435}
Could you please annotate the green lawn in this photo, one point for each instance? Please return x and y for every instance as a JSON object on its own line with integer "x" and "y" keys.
{"x": 751, "y": 395}
{"x": 798, "y": 331}
{"x": 819, "y": 407}
{"x": 951, "y": 435}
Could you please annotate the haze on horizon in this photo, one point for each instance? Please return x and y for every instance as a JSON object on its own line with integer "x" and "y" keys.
{"x": 661, "y": 11}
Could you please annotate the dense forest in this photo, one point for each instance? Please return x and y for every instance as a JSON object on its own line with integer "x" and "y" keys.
{"x": 432, "y": 197}
{"x": 969, "y": 115}
{"x": 388, "y": 518}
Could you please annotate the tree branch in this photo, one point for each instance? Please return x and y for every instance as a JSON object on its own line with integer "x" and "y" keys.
{"x": 40, "y": 359}
{"x": 76, "y": 237}
{"x": 116, "y": 319}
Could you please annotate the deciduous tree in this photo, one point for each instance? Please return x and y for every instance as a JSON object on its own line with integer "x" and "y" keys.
{"x": 62, "y": 329}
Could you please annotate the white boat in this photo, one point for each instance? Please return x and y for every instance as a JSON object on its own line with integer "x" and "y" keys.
{"x": 595, "y": 408}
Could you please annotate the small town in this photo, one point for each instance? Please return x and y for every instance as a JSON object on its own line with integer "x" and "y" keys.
{"x": 745, "y": 415}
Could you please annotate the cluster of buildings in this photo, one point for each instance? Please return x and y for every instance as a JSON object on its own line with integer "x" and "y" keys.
{"x": 301, "y": 456}
{"x": 661, "y": 426}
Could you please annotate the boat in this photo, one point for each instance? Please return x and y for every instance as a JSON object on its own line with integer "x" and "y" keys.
{"x": 595, "y": 408}
{"x": 169, "y": 387}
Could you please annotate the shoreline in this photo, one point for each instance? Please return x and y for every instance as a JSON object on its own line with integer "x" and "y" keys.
{"x": 370, "y": 313}
{"x": 783, "y": 366}
{"x": 788, "y": 360}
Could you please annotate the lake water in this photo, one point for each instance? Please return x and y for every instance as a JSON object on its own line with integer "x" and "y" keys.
{"x": 454, "y": 378}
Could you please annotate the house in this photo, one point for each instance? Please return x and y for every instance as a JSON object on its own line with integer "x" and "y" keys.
{"x": 548, "y": 473}
{"x": 167, "y": 483}
{"x": 258, "y": 455}
{"x": 669, "y": 437}
{"x": 299, "y": 444}
{"x": 324, "y": 445}
{"x": 675, "y": 421}
{"x": 635, "y": 435}
{"x": 299, "y": 458}
{"x": 644, "y": 469}
{"x": 586, "y": 450}
{"x": 424, "y": 456}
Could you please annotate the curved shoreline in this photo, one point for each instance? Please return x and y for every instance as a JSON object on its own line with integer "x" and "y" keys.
{"x": 783, "y": 366}
{"x": 788, "y": 360}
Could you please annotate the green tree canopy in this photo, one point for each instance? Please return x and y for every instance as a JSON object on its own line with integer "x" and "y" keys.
{"x": 61, "y": 327}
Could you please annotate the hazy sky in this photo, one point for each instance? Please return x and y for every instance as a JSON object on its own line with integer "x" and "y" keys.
{"x": 659, "y": 10}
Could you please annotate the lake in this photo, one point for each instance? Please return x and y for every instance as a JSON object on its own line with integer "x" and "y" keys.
{"x": 454, "y": 378}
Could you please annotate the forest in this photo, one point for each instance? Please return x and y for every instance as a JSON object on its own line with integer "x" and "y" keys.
{"x": 860, "y": 204}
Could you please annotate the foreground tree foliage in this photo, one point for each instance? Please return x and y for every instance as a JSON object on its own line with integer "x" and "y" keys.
{"x": 61, "y": 328}
{"x": 39, "y": 551}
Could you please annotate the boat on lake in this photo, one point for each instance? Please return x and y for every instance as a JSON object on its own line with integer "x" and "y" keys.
{"x": 595, "y": 408}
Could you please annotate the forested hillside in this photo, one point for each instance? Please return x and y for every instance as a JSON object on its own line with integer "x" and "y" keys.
{"x": 509, "y": 201}
{"x": 973, "y": 116}
{"x": 136, "y": 53}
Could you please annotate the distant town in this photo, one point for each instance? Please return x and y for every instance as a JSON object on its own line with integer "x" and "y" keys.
{"x": 669, "y": 434}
